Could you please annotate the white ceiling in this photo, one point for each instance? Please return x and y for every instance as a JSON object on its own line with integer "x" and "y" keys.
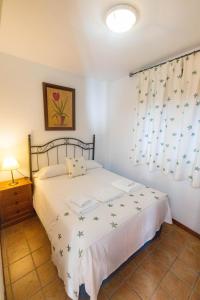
{"x": 71, "y": 34}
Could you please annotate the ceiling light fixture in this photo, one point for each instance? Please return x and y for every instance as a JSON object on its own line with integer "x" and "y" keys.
{"x": 121, "y": 18}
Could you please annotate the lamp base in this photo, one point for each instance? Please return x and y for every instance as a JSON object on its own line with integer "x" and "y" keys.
{"x": 13, "y": 183}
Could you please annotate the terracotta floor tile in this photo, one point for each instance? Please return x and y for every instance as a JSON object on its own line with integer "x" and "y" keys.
{"x": 112, "y": 283}
{"x": 166, "y": 228}
{"x": 141, "y": 255}
{"x": 161, "y": 255}
{"x": 21, "y": 268}
{"x": 175, "y": 287}
{"x": 16, "y": 252}
{"x": 26, "y": 286}
{"x": 101, "y": 295}
{"x": 47, "y": 273}
{"x": 194, "y": 296}
{"x": 4, "y": 257}
{"x": 184, "y": 272}
{"x": 37, "y": 242}
{"x": 6, "y": 275}
{"x": 38, "y": 296}
{"x": 41, "y": 255}
{"x": 160, "y": 294}
{"x": 155, "y": 270}
{"x": 14, "y": 239}
{"x": 34, "y": 230}
{"x": 143, "y": 284}
{"x": 55, "y": 291}
{"x": 125, "y": 292}
{"x": 127, "y": 269}
{"x": 197, "y": 286}
{"x": 192, "y": 260}
{"x": 9, "y": 294}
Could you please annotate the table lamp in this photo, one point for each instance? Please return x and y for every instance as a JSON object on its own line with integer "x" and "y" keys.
{"x": 10, "y": 164}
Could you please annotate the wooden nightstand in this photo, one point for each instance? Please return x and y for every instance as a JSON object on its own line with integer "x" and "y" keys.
{"x": 15, "y": 202}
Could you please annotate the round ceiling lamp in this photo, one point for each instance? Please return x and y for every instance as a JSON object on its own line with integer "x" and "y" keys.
{"x": 121, "y": 18}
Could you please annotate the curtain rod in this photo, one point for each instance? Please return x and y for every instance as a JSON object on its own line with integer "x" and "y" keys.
{"x": 162, "y": 63}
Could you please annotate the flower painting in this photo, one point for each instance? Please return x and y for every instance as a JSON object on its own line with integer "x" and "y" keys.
{"x": 59, "y": 107}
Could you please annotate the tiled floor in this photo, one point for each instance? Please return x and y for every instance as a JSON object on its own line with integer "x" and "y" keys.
{"x": 168, "y": 268}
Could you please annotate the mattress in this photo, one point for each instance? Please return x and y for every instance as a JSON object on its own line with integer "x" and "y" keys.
{"x": 87, "y": 249}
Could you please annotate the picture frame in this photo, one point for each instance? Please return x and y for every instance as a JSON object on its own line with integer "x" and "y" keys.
{"x": 59, "y": 107}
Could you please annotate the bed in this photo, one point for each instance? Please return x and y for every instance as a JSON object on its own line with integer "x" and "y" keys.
{"x": 87, "y": 249}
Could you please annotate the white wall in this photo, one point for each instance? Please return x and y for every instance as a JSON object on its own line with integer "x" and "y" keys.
{"x": 184, "y": 200}
{"x": 21, "y": 107}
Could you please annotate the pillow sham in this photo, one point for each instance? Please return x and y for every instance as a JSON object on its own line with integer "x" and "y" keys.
{"x": 51, "y": 171}
{"x": 92, "y": 164}
{"x": 76, "y": 166}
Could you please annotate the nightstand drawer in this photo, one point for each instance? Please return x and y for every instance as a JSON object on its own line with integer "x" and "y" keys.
{"x": 20, "y": 208}
{"x": 15, "y": 202}
{"x": 11, "y": 199}
{"x": 18, "y": 191}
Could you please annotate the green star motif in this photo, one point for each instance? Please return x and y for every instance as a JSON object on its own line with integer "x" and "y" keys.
{"x": 81, "y": 218}
{"x": 66, "y": 214}
{"x": 76, "y": 294}
{"x": 113, "y": 215}
{"x": 68, "y": 248}
{"x": 68, "y": 275}
{"x": 139, "y": 208}
{"x": 122, "y": 205}
{"x": 80, "y": 253}
{"x": 61, "y": 252}
{"x": 59, "y": 236}
{"x": 110, "y": 205}
{"x": 95, "y": 218}
{"x": 80, "y": 234}
{"x": 114, "y": 225}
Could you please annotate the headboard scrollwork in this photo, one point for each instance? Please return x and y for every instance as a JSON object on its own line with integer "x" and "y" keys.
{"x": 35, "y": 151}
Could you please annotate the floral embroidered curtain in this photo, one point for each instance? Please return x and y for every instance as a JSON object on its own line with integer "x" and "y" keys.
{"x": 166, "y": 129}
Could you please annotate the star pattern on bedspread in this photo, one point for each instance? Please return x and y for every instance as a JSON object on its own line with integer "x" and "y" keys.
{"x": 113, "y": 224}
{"x": 113, "y": 215}
{"x": 139, "y": 208}
{"x": 71, "y": 246}
{"x": 80, "y": 253}
{"x": 80, "y": 234}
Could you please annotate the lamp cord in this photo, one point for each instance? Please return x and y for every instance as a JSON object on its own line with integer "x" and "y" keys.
{"x": 21, "y": 173}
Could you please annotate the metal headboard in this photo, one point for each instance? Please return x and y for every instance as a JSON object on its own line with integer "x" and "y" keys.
{"x": 36, "y": 150}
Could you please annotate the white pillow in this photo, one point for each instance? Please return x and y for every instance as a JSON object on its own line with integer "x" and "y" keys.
{"x": 76, "y": 166}
{"x": 51, "y": 171}
{"x": 92, "y": 164}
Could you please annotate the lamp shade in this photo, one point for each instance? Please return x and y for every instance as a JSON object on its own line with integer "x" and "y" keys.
{"x": 10, "y": 163}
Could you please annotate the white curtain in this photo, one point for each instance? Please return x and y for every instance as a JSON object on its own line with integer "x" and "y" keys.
{"x": 166, "y": 129}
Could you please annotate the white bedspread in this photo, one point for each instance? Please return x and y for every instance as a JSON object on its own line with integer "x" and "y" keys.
{"x": 87, "y": 249}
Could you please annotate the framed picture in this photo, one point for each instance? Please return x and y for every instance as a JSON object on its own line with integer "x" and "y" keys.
{"x": 59, "y": 107}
